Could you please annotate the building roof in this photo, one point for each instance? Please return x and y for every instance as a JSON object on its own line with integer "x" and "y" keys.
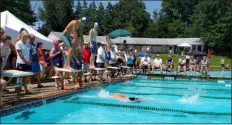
{"x": 139, "y": 41}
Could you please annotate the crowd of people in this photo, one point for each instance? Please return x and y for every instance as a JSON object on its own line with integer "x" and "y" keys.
{"x": 72, "y": 53}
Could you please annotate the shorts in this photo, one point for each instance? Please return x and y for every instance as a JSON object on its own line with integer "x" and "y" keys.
{"x": 23, "y": 67}
{"x": 86, "y": 67}
{"x": 100, "y": 65}
{"x": 66, "y": 38}
{"x": 74, "y": 64}
{"x": 35, "y": 67}
{"x": 181, "y": 65}
{"x": 58, "y": 64}
{"x": 130, "y": 65}
{"x": 94, "y": 47}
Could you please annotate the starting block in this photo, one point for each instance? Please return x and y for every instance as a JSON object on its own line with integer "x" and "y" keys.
{"x": 66, "y": 70}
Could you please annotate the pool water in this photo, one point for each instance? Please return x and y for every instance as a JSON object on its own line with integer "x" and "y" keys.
{"x": 164, "y": 101}
{"x": 211, "y": 73}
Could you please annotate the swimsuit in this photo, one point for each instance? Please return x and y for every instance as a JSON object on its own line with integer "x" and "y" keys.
{"x": 94, "y": 47}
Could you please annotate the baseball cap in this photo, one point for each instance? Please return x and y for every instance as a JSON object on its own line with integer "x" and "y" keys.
{"x": 56, "y": 43}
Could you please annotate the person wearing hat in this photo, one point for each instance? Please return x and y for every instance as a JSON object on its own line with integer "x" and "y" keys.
{"x": 93, "y": 44}
{"x": 1, "y": 34}
{"x": 5, "y": 50}
{"x": 182, "y": 64}
{"x": 170, "y": 63}
{"x": 56, "y": 57}
{"x": 101, "y": 56}
{"x": 75, "y": 28}
{"x": 157, "y": 64}
{"x": 23, "y": 58}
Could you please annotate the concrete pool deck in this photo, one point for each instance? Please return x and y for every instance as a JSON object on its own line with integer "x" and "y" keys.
{"x": 49, "y": 90}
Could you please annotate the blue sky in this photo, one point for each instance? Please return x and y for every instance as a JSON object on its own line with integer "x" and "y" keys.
{"x": 150, "y": 6}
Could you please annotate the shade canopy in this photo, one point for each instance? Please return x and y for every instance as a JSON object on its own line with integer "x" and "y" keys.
{"x": 119, "y": 33}
{"x": 12, "y": 26}
{"x": 184, "y": 45}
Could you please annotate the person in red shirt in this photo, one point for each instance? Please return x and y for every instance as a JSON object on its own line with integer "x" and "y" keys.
{"x": 86, "y": 53}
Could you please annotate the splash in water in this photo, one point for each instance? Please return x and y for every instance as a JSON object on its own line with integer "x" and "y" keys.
{"x": 189, "y": 99}
{"x": 104, "y": 94}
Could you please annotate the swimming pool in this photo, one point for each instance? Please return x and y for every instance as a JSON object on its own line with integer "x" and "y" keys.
{"x": 165, "y": 101}
{"x": 212, "y": 73}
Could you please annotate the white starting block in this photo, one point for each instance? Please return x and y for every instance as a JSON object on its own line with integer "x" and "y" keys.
{"x": 66, "y": 70}
{"x": 126, "y": 67}
{"x": 11, "y": 74}
{"x": 99, "y": 69}
{"x": 115, "y": 68}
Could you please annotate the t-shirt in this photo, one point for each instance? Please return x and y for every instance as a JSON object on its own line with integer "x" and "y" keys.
{"x": 25, "y": 49}
{"x": 113, "y": 55}
{"x": 100, "y": 55}
{"x": 157, "y": 61}
{"x": 209, "y": 53}
{"x": 145, "y": 60}
{"x": 34, "y": 53}
{"x": 222, "y": 61}
{"x": 130, "y": 60}
{"x": 86, "y": 55}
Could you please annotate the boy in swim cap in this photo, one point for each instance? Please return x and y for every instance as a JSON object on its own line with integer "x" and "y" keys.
{"x": 75, "y": 28}
{"x": 93, "y": 44}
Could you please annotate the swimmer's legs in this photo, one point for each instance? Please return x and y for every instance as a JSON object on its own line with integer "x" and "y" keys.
{"x": 67, "y": 62}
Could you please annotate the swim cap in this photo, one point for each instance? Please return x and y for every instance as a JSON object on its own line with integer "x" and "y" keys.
{"x": 96, "y": 25}
{"x": 84, "y": 20}
{"x": 56, "y": 43}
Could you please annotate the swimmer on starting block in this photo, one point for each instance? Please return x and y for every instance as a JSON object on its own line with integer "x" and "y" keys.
{"x": 75, "y": 28}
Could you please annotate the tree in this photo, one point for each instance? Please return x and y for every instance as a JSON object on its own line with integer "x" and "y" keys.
{"x": 20, "y": 8}
{"x": 100, "y": 18}
{"x": 155, "y": 15}
{"x": 57, "y": 13}
{"x": 78, "y": 10}
{"x": 213, "y": 19}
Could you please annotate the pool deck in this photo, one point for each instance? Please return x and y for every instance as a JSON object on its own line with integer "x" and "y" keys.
{"x": 11, "y": 98}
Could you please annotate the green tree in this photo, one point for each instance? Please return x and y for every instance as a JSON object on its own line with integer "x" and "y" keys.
{"x": 78, "y": 10}
{"x": 100, "y": 18}
{"x": 213, "y": 19}
{"x": 57, "y": 13}
{"x": 20, "y": 8}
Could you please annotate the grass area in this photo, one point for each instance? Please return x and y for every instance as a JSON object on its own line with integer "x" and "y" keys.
{"x": 215, "y": 60}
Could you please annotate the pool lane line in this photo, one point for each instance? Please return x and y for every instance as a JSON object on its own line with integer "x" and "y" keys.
{"x": 150, "y": 108}
{"x": 133, "y": 85}
{"x": 179, "y": 82}
{"x": 169, "y": 94}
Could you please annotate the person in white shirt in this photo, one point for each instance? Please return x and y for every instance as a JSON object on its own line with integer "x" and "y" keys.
{"x": 113, "y": 57}
{"x": 101, "y": 58}
{"x": 145, "y": 62}
{"x": 23, "y": 58}
{"x": 157, "y": 63}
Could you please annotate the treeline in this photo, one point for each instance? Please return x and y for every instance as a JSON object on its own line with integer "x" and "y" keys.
{"x": 208, "y": 19}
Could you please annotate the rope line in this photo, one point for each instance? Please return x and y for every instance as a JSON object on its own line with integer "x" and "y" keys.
{"x": 150, "y": 108}
{"x": 172, "y": 87}
{"x": 213, "y": 97}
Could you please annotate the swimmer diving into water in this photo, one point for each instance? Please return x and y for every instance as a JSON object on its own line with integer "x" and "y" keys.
{"x": 75, "y": 28}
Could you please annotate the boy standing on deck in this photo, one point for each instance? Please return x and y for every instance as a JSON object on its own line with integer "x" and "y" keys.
{"x": 93, "y": 44}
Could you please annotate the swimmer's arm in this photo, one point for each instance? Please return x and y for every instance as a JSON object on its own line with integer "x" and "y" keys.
{"x": 81, "y": 35}
{"x": 51, "y": 55}
{"x": 74, "y": 30}
{"x": 90, "y": 36}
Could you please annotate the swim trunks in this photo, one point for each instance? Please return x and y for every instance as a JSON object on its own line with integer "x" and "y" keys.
{"x": 94, "y": 47}
{"x": 66, "y": 38}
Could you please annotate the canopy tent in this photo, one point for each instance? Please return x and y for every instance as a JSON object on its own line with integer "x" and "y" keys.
{"x": 184, "y": 45}
{"x": 119, "y": 33}
{"x": 12, "y": 26}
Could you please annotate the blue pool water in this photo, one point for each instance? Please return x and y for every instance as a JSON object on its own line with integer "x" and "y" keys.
{"x": 179, "y": 98}
{"x": 219, "y": 73}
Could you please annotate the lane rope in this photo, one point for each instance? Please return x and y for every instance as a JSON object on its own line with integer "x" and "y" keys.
{"x": 150, "y": 108}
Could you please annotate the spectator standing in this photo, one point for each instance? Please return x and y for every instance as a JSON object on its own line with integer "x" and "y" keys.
{"x": 5, "y": 50}
{"x": 23, "y": 58}
{"x": 42, "y": 60}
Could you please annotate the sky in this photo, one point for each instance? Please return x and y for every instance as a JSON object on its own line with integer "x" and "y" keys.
{"x": 150, "y": 6}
